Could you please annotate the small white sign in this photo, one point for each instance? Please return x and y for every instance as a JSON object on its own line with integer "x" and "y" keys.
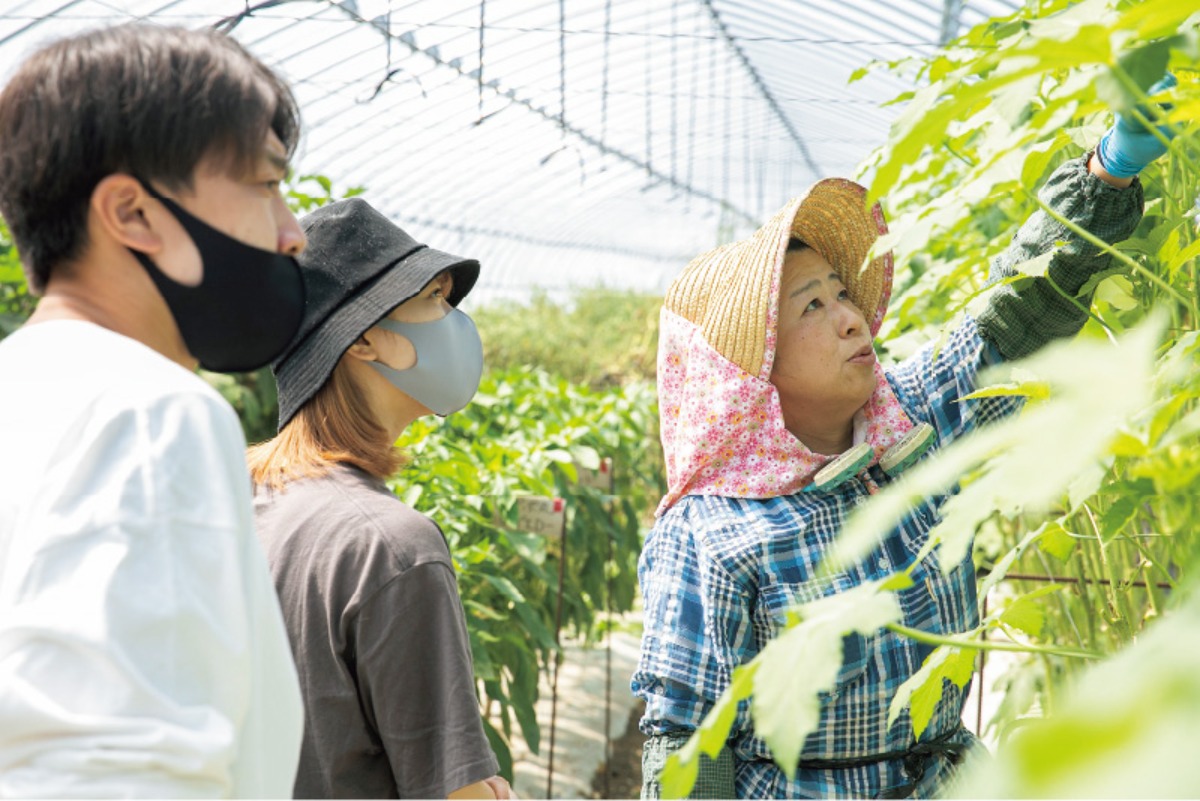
{"x": 540, "y": 515}
{"x": 601, "y": 479}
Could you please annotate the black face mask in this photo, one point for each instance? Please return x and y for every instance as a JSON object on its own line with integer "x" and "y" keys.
{"x": 247, "y": 306}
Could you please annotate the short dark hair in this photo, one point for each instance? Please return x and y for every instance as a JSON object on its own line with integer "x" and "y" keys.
{"x": 147, "y": 100}
{"x": 797, "y": 244}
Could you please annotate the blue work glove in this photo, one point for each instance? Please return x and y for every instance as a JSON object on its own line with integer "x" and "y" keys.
{"x": 1128, "y": 146}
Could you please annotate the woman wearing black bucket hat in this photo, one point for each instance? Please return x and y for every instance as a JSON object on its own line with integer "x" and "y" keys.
{"x": 366, "y": 583}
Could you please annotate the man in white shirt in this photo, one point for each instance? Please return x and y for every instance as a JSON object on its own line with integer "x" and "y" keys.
{"x": 142, "y": 651}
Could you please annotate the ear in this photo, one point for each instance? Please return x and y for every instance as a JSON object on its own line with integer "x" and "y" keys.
{"x": 121, "y": 207}
{"x": 363, "y": 349}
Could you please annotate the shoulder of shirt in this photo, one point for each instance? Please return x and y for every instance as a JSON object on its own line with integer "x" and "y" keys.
{"x": 91, "y": 358}
{"x": 727, "y": 528}
{"x": 358, "y": 514}
{"x": 104, "y": 375}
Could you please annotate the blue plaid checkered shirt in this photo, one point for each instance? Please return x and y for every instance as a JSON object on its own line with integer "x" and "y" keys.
{"x": 718, "y": 574}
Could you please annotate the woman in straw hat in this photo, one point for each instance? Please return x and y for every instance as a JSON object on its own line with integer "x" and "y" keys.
{"x": 366, "y": 584}
{"x": 777, "y": 420}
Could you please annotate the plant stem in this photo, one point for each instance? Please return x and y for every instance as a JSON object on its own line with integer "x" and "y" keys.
{"x": 986, "y": 645}
{"x": 1083, "y": 556}
{"x": 1048, "y": 688}
{"x": 1108, "y": 331}
{"x": 1062, "y": 602}
{"x": 1120, "y": 610}
{"x": 1107, "y": 248}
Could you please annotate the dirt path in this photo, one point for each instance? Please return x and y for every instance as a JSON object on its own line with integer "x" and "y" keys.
{"x": 621, "y": 777}
{"x": 591, "y": 712}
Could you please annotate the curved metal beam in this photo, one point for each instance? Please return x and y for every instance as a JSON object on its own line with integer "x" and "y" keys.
{"x": 762, "y": 87}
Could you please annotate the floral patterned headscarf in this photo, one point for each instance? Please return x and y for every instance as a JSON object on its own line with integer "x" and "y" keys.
{"x": 721, "y": 420}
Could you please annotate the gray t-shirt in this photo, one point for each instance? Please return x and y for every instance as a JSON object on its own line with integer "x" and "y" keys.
{"x": 377, "y": 628}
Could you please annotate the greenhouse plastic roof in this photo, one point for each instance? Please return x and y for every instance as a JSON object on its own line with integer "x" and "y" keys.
{"x": 565, "y": 142}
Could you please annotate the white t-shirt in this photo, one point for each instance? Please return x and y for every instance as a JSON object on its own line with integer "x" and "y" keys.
{"x": 142, "y": 650}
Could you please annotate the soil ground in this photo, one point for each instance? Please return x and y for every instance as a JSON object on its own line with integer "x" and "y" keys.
{"x": 593, "y": 715}
{"x": 621, "y": 776}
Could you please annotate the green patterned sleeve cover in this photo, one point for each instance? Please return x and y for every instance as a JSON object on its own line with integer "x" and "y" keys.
{"x": 1023, "y": 316}
{"x": 713, "y": 780}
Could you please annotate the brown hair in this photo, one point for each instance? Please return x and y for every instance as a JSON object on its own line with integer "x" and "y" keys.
{"x": 145, "y": 100}
{"x": 334, "y": 427}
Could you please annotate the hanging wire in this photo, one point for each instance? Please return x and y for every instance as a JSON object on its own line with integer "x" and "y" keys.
{"x": 562, "y": 66}
{"x": 499, "y": 233}
{"x": 674, "y": 87}
{"x": 479, "y": 80}
{"x": 691, "y": 129}
{"x": 762, "y": 87}
{"x": 654, "y": 177}
{"x": 747, "y": 156}
{"x": 763, "y": 160}
{"x": 229, "y": 23}
{"x": 604, "y": 81}
{"x": 649, "y": 127}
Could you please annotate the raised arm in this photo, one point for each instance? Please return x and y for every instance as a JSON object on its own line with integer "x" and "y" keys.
{"x": 1098, "y": 193}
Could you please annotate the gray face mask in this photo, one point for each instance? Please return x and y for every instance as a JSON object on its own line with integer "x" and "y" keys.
{"x": 449, "y": 362}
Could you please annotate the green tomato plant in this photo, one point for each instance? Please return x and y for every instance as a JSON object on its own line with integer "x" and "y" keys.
{"x": 16, "y": 304}
{"x": 529, "y": 433}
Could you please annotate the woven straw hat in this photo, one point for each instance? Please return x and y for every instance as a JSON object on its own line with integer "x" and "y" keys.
{"x": 731, "y": 292}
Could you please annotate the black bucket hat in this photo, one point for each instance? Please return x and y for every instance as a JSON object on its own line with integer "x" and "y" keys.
{"x": 357, "y": 267}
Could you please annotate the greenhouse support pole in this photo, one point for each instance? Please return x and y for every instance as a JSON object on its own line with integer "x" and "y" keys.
{"x": 608, "y": 608}
{"x": 558, "y": 611}
{"x": 979, "y": 690}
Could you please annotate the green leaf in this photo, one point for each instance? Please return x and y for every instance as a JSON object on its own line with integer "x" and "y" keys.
{"x": 500, "y": 749}
{"x": 585, "y": 456}
{"x": 1117, "y": 516}
{"x": 11, "y": 272}
{"x": 1036, "y": 266}
{"x": 1057, "y": 541}
{"x": 1126, "y": 444}
{"x": 482, "y": 661}
{"x": 1034, "y": 169}
{"x": 506, "y": 588}
{"x": 1085, "y": 484}
{"x": 1025, "y": 614}
{"x": 786, "y": 709}
{"x": 1035, "y": 390}
{"x": 897, "y": 581}
{"x": 1188, "y": 254}
{"x": 542, "y": 636}
{"x": 923, "y": 690}
{"x": 1117, "y": 291}
{"x": 525, "y": 708}
{"x": 1144, "y": 65}
{"x": 804, "y": 661}
{"x": 1154, "y": 19}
